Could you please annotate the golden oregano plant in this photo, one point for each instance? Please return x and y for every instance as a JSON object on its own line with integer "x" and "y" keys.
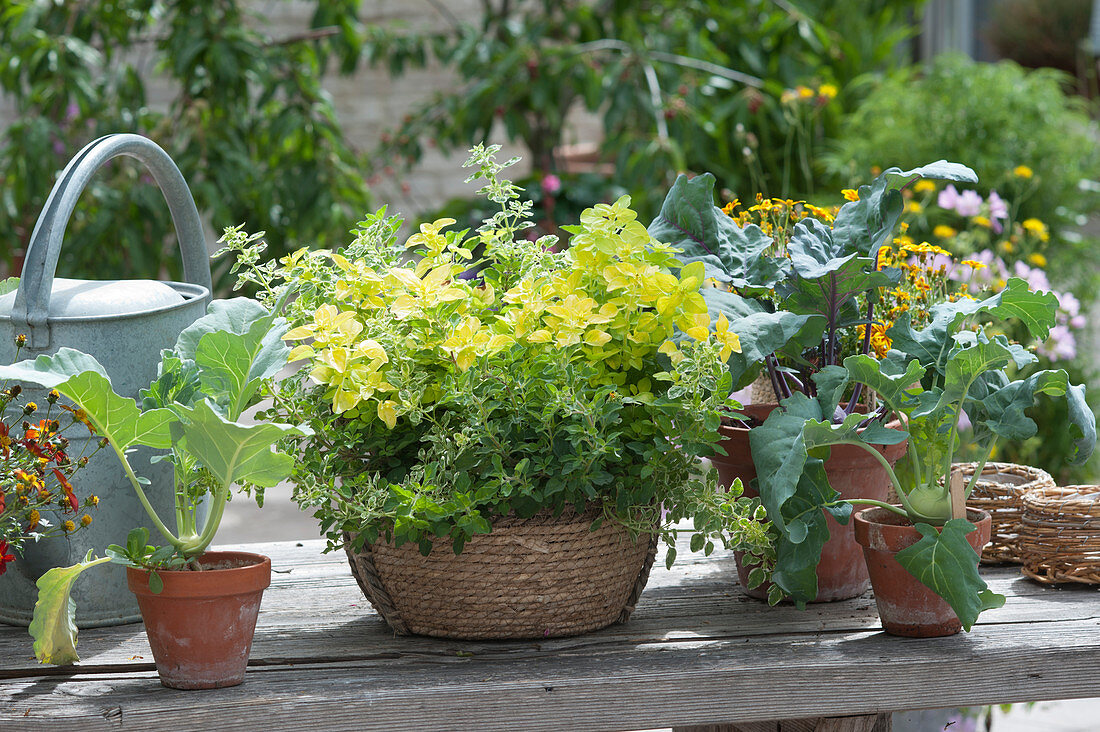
{"x": 465, "y": 376}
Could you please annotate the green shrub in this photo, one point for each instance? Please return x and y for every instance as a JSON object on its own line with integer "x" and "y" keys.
{"x": 992, "y": 117}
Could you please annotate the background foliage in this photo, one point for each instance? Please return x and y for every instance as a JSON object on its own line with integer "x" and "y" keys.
{"x": 248, "y": 124}
{"x": 677, "y": 84}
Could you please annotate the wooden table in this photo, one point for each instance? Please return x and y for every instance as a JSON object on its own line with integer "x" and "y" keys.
{"x": 697, "y": 651}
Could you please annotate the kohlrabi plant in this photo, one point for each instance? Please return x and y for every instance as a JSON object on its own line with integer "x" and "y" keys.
{"x": 792, "y": 297}
{"x": 193, "y": 410}
{"x": 929, "y": 378}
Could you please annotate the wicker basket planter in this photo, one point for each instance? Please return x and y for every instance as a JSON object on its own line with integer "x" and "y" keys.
{"x": 1000, "y": 490}
{"x": 540, "y": 577}
{"x": 1060, "y": 534}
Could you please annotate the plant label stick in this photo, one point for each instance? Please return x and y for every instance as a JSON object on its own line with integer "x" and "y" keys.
{"x": 958, "y": 494}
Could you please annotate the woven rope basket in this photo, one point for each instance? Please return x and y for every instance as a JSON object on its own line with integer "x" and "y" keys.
{"x": 1000, "y": 490}
{"x": 1060, "y": 534}
{"x": 541, "y": 577}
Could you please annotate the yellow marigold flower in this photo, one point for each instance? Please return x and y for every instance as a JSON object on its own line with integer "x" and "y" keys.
{"x": 822, "y": 213}
{"x": 804, "y": 92}
{"x": 924, "y": 186}
{"x": 729, "y": 207}
{"x": 974, "y": 264}
{"x": 982, "y": 221}
{"x": 1008, "y": 246}
{"x": 68, "y": 526}
{"x": 913, "y": 207}
{"x": 1022, "y": 171}
{"x": 850, "y": 194}
{"x": 1034, "y": 226}
{"x": 943, "y": 231}
{"x": 876, "y": 170}
{"x": 904, "y": 226}
{"x": 879, "y": 341}
{"x": 33, "y": 518}
{"x": 828, "y": 91}
{"x": 1037, "y": 259}
{"x": 85, "y": 520}
{"x": 94, "y": 500}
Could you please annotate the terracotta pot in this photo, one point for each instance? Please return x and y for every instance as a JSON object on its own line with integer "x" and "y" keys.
{"x": 852, "y": 471}
{"x": 906, "y": 606}
{"x": 200, "y": 626}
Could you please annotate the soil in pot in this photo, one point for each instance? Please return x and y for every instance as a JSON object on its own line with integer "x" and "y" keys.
{"x": 906, "y": 606}
{"x": 852, "y": 471}
{"x": 200, "y": 626}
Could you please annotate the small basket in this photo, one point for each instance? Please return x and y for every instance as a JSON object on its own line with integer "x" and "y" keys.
{"x": 1000, "y": 490}
{"x": 541, "y": 577}
{"x": 1060, "y": 534}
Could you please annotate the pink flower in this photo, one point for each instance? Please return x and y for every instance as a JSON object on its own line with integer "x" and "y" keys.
{"x": 969, "y": 204}
{"x": 551, "y": 184}
{"x": 1060, "y": 346}
{"x": 948, "y": 197}
{"x": 1035, "y": 277}
{"x": 998, "y": 211}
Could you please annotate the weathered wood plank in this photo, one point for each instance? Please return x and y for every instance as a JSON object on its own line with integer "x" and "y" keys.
{"x": 317, "y": 611}
{"x": 696, "y": 652}
{"x": 676, "y": 683}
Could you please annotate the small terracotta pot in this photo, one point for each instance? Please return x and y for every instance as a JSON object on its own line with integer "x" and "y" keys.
{"x": 906, "y": 606}
{"x": 200, "y": 626}
{"x": 852, "y": 471}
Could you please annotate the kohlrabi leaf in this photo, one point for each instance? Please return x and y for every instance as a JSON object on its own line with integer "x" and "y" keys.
{"x": 761, "y": 333}
{"x": 940, "y": 170}
{"x": 889, "y": 378}
{"x": 1082, "y": 419}
{"x": 235, "y": 315}
{"x": 862, "y": 226}
{"x": 237, "y": 453}
{"x": 691, "y": 222}
{"x": 53, "y": 624}
{"x": 865, "y": 225}
{"x": 831, "y": 382}
{"x": 932, "y": 344}
{"x": 49, "y": 371}
{"x": 944, "y": 562}
{"x": 80, "y": 378}
{"x": 813, "y": 252}
{"x": 177, "y": 382}
{"x": 965, "y": 365}
{"x": 235, "y": 346}
{"x": 6, "y": 286}
{"x": 799, "y": 550}
{"x": 1002, "y": 411}
{"x": 779, "y": 453}
{"x": 827, "y": 281}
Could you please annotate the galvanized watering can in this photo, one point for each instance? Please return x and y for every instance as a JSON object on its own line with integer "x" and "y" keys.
{"x": 125, "y": 324}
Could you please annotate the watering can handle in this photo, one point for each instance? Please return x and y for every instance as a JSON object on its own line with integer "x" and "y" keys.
{"x": 32, "y": 301}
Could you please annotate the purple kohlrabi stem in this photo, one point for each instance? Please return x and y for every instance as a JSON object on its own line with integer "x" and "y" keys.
{"x": 858, "y": 391}
{"x": 779, "y": 382}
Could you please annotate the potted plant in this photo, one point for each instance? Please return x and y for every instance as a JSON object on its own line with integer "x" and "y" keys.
{"x": 930, "y": 376}
{"x": 803, "y": 288}
{"x": 199, "y": 607}
{"x": 526, "y": 420}
{"x": 37, "y": 500}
